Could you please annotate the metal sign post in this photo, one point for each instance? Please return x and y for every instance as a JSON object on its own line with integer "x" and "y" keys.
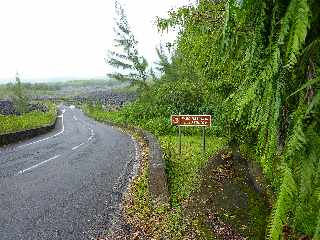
{"x": 204, "y": 141}
{"x": 179, "y": 129}
{"x": 179, "y": 139}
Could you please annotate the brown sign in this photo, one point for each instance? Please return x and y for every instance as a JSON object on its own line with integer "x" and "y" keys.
{"x": 191, "y": 120}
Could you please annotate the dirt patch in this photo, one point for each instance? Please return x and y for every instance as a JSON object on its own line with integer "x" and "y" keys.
{"x": 226, "y": 205}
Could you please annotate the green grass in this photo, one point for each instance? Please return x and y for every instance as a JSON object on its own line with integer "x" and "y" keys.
{"x": 35, "y": 119}
{"x": 182, "y": 170}
{"x": 103, "y": 116}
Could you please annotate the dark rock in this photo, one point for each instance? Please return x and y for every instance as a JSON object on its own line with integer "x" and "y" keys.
{"x": 107, "y": 98}
{"x": 7, "y": 108}
{"x": 38, "y": 107}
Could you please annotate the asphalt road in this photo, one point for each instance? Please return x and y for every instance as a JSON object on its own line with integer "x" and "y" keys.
{"x": 65, "y": 184}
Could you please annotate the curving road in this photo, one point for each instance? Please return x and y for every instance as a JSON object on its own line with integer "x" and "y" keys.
{"x": 65, "y": 184}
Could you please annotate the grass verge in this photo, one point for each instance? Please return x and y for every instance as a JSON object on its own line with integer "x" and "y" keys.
{"x": 32, "y": 120}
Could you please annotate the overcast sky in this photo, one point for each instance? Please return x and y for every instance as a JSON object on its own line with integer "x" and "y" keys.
{"x": 69, "y": 38}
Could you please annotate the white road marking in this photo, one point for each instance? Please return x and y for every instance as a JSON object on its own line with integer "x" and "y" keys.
{"x": 76, "y": 147}
{"x": 44, "y": 139}
{"x": 92, "y": 134}
{"x": 37, "y": 165}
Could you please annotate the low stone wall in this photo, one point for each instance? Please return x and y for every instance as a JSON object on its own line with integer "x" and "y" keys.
{"x": 158, "y": 179}
{"x": 7, "y": 108}
{"x": 258, "y": 181}
{"x": 255, "y": 175}
{"x": 10, "y": 138}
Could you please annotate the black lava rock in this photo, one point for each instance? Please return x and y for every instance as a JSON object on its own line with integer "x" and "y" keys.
{"x": 7, "y": 108}
{"x": 38, "y": 107}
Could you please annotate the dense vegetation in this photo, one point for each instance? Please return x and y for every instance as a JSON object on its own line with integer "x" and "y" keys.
{"x": 254, "y": 65}
{"x": 30, "y": 120}
{"x": 257, "y": 64}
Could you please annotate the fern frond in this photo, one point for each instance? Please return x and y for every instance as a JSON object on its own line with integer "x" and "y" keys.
{"x": 307, "y": 84}
{"x": 297, "y": 140}
{"x": 298, "y": 33}
{"x": 283, "y": 203}
{"x": 315, "y": 102}
{"x": 317, "y": 232}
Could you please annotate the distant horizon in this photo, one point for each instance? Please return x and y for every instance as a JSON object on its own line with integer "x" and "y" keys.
{"x": 52, "y": 79}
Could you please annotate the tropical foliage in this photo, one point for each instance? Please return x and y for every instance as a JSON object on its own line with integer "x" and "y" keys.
{"x": 258, "y": 64}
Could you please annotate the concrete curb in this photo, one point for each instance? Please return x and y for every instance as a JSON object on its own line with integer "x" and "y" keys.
{"x": 158, "y": 179}
{"x": 259, "y": 182}
{"x": 15, "y": 137}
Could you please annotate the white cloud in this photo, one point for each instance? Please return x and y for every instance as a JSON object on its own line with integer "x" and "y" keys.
{"x": 69, "y": 38}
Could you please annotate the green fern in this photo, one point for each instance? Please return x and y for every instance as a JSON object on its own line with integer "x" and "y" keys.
{"x": 259, "y": 68}
{"x": 317, "y": 232}
{"x": 283, "y": 203}
{"x": 301, "y": 18}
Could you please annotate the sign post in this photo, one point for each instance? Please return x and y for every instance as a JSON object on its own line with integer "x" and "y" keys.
{"x": 179, "y": 140}
{"x": 179, "y": 128}
{"x": 192, "y": 121}
{"x": 204, "y": 141}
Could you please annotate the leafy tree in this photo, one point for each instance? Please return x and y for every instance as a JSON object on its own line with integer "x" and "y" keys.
{"x": 131, "y": 67}
{"x": 153, "y": 75}
{"x": 167, "y": 65}
{"x": 20, "y": 100}
{"x": 164, "y": 63}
